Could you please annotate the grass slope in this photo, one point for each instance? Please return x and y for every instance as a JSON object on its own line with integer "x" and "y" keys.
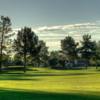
{"x": 47, "y": 84}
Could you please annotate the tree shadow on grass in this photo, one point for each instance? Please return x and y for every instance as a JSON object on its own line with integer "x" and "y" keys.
{"x": 34, "y": 77}
{"x": 17, "y": 77}
{"x": 10, "y": 94}
{"x": 21, "y": 76}
{"x": 48, "y": 74}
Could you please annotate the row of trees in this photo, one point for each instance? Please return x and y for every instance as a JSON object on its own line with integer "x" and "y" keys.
{"x": 27, "y": 49}
{"x": 83, "y": 53}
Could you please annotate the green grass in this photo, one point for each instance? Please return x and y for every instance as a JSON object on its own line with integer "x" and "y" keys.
{"x": 48, "y": 84}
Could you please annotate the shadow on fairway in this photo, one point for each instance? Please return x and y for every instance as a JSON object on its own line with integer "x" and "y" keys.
{"x": 17, "y": 76}
{"x": 26, "y": 76}
{"x": 48, "y": 74}
{"x": 33, "y": 75}
{"x": 9, "y": 94}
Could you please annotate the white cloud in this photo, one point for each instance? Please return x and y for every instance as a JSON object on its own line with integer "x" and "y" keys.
{"x": 52, "y": 35}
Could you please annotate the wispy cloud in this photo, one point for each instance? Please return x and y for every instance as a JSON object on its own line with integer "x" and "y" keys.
{"x": 52, "y": 35}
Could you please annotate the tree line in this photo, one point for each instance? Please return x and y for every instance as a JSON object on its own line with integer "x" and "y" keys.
{"x": 26, "y": 49}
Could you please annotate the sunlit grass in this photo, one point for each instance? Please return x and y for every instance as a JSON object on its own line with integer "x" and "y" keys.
{"x": 83, "y": 82}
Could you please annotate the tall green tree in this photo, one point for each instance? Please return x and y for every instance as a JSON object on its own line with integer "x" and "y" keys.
{"x": 43, "y": 54}
{"x": 69, "y": 47}
{"x": 98, "y": 50}
{"x": 26, "y": 43}
{"x": 5, "y": 28}
{"x": 88, "y": 48}
{"x": 57, "y": 59}
{"x": 41, "y": 59}
{"x": 97, "y": 58}
{"x": 54, "y": 59}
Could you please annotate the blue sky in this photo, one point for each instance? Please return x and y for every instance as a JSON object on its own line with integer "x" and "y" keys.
{"x": 50, "y": 12}
{"x": 53, "y": 20}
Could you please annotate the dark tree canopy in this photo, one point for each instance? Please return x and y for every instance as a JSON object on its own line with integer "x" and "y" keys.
{"x": 26, "y": 43}
{"x": 69, "y": 47}
{"x": 5, "y": 28}
{"x": 98, "y": 50}
{"x": 88, "y": 47}
{"x": 42, "y": 56}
